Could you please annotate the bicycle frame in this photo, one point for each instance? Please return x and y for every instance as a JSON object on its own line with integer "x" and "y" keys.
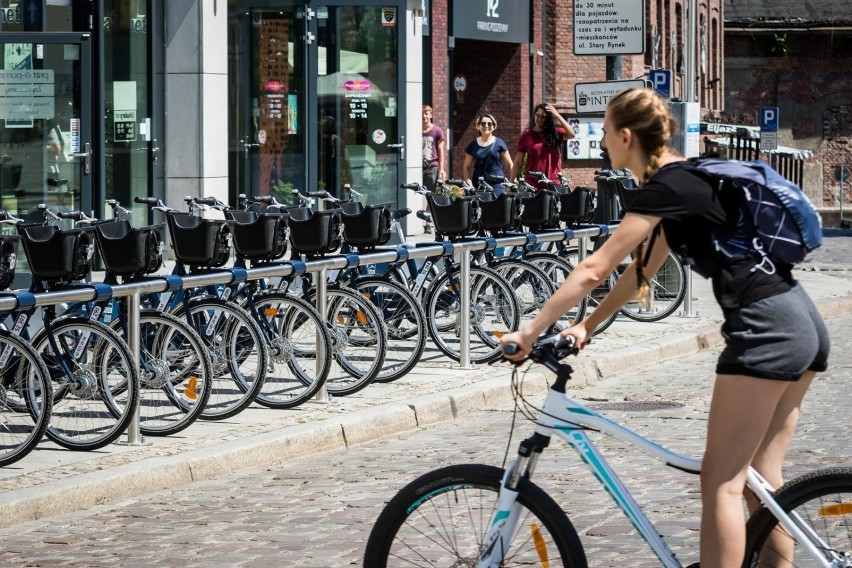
{"x": 568, "y": 420}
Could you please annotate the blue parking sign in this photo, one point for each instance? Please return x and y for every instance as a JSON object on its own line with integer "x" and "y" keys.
{"x": 661, "y": 82}
{"x": 769, "y": 119}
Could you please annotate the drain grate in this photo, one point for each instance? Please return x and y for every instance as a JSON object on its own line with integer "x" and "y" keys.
{"x": 636, "y": 406}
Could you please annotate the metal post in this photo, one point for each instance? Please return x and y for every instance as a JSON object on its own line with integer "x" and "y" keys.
{"x": 688, "y": 310}
{"x": 582, "y": 243}
{"x": 690, "y": 51}
{"x": 322, "y": 287}
{"x": 134, "y": 432}
{"x": 464, "y": 310}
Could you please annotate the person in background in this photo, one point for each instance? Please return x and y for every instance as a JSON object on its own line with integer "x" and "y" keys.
{"x": 540, "y": 145}
{"x": 486, "y": 156}
{"x": 775, "y": 338}
{"x": 434, "y": 154}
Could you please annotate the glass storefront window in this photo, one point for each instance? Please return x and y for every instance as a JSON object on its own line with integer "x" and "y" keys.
{"x": 127, "y": 116}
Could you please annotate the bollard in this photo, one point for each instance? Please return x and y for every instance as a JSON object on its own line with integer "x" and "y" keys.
{"x": 688, "y": 310}
{"x": 134, "y": 432}
{"x": 464, "y": 310}
{"x": 322, "y": 287}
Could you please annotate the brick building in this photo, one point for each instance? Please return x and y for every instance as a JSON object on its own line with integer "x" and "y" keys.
{"x": 794, "y": 55}
{"x": 508, "y": 79}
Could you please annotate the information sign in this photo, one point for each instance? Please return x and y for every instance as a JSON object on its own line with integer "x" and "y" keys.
{"x": 609, "y": 27}
{"x": 593, "y": 97}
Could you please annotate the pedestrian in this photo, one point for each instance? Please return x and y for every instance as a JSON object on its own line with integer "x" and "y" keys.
{"x": 540, "y": 145}
{"x": 775, "y": 340}
{"x": 486, "y": 156}
{"x": 434, "y": 152}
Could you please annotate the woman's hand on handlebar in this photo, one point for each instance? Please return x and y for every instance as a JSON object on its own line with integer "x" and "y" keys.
{"x": 521, "y": 341}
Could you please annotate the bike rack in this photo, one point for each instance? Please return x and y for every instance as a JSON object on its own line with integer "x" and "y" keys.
{"x": 84, "y": 293}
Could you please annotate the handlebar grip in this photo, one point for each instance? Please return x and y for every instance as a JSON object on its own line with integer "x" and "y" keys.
{"x": 73, "y": 215}
{"x": 415, "y": 186}
{"x": 510, "y": 349}
{"x": 535, "y": 174}
{"x": 146, "y": 200}
{"x": 206, "y": 200}
{"x": 455, "y": 181}
{"x": 317, "y": 194}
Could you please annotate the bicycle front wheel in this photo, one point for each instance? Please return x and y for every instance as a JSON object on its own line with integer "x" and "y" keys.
{"x": 299, "y": 350}
{"x": 443, "y": 517}
{"x": 26, "y": 398}
{"x": 493, "y": 312}
{"x": 93, "y": 370}
{"x": 668, "y": 288}
{"x": 822, "y": 500}
{"x": 175, "y": 373}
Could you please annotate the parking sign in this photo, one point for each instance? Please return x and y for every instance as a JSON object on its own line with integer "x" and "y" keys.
{"x": 769, "y": 119}
{"x": 661, "y": 81}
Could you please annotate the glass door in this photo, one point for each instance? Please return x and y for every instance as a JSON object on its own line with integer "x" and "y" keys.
{"x": 45, "y": 122}
{"x": 360, "y": 141}
{"x": 267, "y": 89}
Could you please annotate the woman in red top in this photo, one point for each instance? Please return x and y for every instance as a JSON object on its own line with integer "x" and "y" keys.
{"x": 540, "y": 145}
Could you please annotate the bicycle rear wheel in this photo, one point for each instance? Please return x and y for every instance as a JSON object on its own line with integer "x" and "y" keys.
{"x": 96, "y": 379}
{"x": 26, "y": 398}
{"x": 443, "y": 517}
{"x": 823, "y": 502}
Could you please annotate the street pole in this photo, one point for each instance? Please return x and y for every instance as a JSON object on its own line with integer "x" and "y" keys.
{"x": 690, "y": 51}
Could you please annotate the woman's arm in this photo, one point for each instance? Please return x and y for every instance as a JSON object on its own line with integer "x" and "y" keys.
{"x": 506, "y": 160}
{"x": 519, "y": 157}
{"x": 569, "y": 132}
{"x": 467, "y": 169}
{"x": 632, "y": 230}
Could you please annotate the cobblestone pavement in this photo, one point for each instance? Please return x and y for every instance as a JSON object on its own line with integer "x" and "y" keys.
{"x": 318, "y": 510}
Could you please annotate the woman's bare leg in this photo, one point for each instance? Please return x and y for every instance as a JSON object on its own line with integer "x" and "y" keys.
{"x": 741, "y": 412}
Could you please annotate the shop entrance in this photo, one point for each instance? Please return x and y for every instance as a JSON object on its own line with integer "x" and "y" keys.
{"x": 316, "y": 99}
{"x": 45, "y": 123}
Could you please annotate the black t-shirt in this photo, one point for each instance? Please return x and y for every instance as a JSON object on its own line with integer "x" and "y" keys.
{"x": 691, "y": 210}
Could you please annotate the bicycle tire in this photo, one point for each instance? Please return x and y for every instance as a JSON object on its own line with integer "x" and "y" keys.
{"x": 358, "y": 339}
{"x": 442, "y": 518}
{"x": 405, "y": 322}
{"x": 532, "y": 287}
{"x": 237, "y": 353}
{"x": 97, "y": 408}
{"x": 668, "y": 289}
{"x": 494, "y": 312}
{"x": 176, "y": 376}
{"x": 299, "y": 350}
{"x": 823, "y": 500}
{"x": 557, "y": 270}
{"x": 26, "y": 398}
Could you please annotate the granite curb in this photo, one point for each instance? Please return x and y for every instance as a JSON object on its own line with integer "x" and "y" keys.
{"x": 336, "y": 432}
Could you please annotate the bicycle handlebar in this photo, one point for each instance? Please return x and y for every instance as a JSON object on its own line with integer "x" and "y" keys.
{"x": 554, "y": 346}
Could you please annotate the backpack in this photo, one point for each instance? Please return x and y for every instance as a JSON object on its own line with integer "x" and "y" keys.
{"x": 777, "y": 223}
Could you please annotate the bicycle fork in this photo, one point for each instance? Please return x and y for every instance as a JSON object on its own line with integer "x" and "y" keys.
{"x": 505, "y": 520}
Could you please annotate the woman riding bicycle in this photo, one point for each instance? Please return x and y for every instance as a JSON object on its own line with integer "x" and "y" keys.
{"x": 776, "y": 340}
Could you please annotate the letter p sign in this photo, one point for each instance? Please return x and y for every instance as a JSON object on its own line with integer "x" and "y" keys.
{"x": 661, "y": 82}
{"x": 491, "y": 10}
{"x": 769, "y": 119}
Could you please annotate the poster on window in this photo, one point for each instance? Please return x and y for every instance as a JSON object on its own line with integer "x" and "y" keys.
{"x": 586, "y": 144}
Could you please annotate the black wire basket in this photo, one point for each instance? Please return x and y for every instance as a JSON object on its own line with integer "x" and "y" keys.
{"x": 498, "y": 213}
{"x": 454, "y": 217}
{"x": 259, "y": 236}
{"x": 58, "y": 255}
{"x": 8, "y": 259}
{"x": 366, "y": 226}
{"x": 540, "y": 210}
{"x": 130, "y": 251}
{"x": 627, "y": 192}
{"x": 577, "y": 206}
{"x": 199, "y": 242}
{"x": 315, "y": 232}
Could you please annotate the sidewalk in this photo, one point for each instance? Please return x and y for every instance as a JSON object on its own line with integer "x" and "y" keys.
{"x": 53, "y": 480}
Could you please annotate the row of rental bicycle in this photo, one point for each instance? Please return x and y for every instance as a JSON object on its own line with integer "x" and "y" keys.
{"x": 208, "y": 351}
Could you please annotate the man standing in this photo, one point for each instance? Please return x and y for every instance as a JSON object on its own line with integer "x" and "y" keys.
{"x": 434, "y": 150}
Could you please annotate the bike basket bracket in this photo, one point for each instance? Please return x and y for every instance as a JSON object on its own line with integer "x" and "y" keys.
{"x": 299, "y": 267}
{"x": 238, "y": 275}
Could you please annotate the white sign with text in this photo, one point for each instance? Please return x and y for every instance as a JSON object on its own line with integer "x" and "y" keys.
{"x": 609, "y": 27}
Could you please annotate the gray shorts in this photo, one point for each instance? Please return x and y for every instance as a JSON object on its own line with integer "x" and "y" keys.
{"x": 779, "y": 337}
